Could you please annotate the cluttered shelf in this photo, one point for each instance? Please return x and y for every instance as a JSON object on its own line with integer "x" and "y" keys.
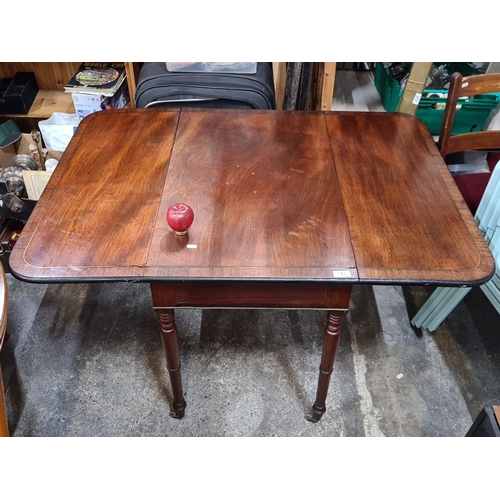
{"x": 37, "y": 90}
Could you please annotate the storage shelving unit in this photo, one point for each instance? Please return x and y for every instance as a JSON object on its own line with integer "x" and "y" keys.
{"x": 51, "y": 78}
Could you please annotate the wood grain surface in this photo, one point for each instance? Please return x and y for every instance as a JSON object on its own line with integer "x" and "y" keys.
{"x": 401, "y": 202}
{"x": 277, "y": 196}
{"x": 96, "y": 216}
{"x": 265, "y": 195}
{"x": 250, "y": 295}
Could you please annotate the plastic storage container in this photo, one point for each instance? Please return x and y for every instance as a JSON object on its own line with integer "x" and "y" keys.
{"x": 17, "y": 94}
{"x": 470, "y": 116}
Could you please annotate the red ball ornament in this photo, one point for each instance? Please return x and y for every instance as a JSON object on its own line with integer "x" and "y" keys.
{"x": 179, "y": 218}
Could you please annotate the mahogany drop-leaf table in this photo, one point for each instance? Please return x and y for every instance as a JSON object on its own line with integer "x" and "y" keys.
{"x": 291, "y": 208}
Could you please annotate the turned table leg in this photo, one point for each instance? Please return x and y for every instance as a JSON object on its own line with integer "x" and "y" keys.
{"x": 171, "y": 346}
{"x": 330, "y": 344}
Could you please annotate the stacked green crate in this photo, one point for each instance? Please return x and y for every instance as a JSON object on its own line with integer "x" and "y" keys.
{"x": 471, "y": 113}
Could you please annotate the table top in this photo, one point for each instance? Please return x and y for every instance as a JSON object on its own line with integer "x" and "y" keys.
{"x": 348, "y": 197}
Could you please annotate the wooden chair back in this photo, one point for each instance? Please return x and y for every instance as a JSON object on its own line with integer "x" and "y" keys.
{"x": 4, "y": 300}
{"x": 461, "y": 86}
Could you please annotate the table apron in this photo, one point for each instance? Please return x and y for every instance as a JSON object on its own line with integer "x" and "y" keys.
{"x": 250, "y": 295}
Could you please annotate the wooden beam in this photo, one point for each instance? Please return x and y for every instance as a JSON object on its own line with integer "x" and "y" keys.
{"x": 279, "y": 76}
{"x": 132, "y": 70}
{"x": 327, "y": 86}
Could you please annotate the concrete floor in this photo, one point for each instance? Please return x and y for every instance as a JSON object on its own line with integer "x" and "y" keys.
{"x": 87, "y": 360}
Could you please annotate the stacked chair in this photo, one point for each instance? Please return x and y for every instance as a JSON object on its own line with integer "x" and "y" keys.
{"x": 444, "y": 299}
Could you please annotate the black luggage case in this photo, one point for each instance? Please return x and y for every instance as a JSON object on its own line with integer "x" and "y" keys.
{"x": 158, "y": 87}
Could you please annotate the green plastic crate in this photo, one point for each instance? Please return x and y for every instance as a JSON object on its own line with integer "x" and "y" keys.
{"x": 470, "y": 116}
{"x": 388, "y": 88}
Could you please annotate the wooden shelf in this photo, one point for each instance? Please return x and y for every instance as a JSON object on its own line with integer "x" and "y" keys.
{"x": 47, "y": 102}
{"x": 51, "y": 78}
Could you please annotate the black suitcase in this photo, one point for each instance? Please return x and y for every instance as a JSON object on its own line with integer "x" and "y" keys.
{"x": 158, "y": 87}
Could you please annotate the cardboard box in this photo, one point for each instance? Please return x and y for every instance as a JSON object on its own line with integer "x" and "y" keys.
{"x": 87, "y": 103}
{"x": 19, "y": 144}
{"x": 414, "y": 87}
{"x": 15, "y": 144}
